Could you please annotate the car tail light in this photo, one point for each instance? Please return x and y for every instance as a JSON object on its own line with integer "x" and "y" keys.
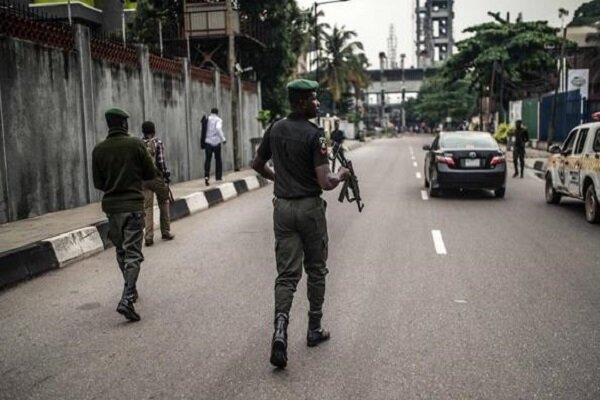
{"x": 445, "y": 159}
{"x": 497, "y": 160}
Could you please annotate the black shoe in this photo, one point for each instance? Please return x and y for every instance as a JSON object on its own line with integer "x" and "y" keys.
{"x": 126, "y": 309}
{"x": 149, "y": 242}
{"x": 521, "y": 176}
{"x": 206, "y": 181}
{"x": 168, "y": 236}
{"x": 314, "y": 338}
{"x": 279, "y": 342}
{"x": 515, "y": 175}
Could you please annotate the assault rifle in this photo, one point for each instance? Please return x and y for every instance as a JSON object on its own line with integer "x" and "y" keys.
{"x": 350, "y": 184}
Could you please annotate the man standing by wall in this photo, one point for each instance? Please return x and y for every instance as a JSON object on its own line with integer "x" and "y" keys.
{"x": 299, "y": 153}
{"x": 119, "y": 165}
{"x": 158, "y": 185}
{"x": 520, "y": 138}
{"x": 212, "y": 145}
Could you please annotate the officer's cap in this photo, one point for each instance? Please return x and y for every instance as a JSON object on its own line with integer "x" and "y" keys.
{"x": 116, "y": 112}
{"x": 148, "y": 127}
{"x": 303, "y": 85}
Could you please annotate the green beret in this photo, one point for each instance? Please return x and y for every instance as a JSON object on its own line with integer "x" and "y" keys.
{"x": 303, "y": 85}
{"x": 117, "y": 112}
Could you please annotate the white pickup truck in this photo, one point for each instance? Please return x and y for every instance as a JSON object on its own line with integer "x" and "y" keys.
{"x": 574, "y": 169}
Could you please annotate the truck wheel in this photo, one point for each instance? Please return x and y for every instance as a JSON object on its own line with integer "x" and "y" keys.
{"x": 552, "y": 196}
{"x": 592, "y": 210}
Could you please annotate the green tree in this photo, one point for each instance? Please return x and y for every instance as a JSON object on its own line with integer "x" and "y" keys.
{"x": 440, "y": 98}
{"x": 275, "y": 65}
{"x": 145, "y": 26}
{"x": 342, "y": 64}
{"x": 587, "y": 14}
{"x": 514, "y": 59}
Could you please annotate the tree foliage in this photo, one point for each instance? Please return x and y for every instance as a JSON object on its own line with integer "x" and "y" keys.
{"x": 519, "y": 56}
{"x": 144, "y": 28}
{"x": 587, "y": 14}
{"x": 440, "y": 98}
{"x": 342, "y": 65}
{"x": 275, "y": 64}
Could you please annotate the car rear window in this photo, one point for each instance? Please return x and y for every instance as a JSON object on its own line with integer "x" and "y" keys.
{"x": 468, "y": 141}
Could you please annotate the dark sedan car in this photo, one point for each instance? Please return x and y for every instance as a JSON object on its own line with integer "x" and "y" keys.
{"x": 464, "y": 160}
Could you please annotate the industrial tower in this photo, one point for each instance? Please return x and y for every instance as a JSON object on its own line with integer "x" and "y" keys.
{"x": 392, "y": 43}
{"x": 435, "y": 38}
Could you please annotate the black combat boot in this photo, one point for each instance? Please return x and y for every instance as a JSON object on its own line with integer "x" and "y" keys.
{"x": 315, "y": 334}
{"x": 279, "y": 342}
{"x": 126, "y": 309}
{"x": 314, "y": 338}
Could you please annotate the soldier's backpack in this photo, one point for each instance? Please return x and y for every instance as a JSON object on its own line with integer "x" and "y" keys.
{"x": 204, "y": 124}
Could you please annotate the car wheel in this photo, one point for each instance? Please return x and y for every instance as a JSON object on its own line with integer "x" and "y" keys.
{"x": 426, "y": 181}
{"x": 499, "y": 193}
{"x": 592, "y": 210}
{"x": 552, "y": 196}
{"x": 432, "y": 191}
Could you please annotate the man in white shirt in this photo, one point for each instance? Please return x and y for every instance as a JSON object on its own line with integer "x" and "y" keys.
{"x": 212, "y": 144}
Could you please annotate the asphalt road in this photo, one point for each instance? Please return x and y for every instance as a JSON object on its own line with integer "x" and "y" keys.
{"x": 510, "y": 311}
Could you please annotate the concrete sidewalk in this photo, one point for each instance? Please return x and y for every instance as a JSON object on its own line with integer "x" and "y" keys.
{"x": 36, "y": 245}
{"x": 32, "y": 246}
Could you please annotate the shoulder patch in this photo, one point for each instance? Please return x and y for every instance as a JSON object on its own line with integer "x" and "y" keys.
{"x": 323, "y": 142}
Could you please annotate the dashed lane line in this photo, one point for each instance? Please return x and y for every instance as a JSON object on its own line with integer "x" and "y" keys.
{"x": 438, "y": 242}
{"x": 424, "y": 195}
{"x": 418, "y": 175}
{"x": 415, "y": 164}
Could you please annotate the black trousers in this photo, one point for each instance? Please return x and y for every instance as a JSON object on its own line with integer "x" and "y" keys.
{"x": 208, "y": 152}
{"x": 519, "y": 158}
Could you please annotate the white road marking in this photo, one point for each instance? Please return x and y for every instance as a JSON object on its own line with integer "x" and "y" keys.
{"x": 438, "y": 242}
{"x": 424, "y": 195}
{"x": 415, "y": 164}
{"x": 418, "y": 175}
{"x": 460, "y": 301}
{"x": 413, "y": 158}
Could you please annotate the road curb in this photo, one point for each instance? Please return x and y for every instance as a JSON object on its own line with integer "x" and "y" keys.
{"x": 31, "y": 260}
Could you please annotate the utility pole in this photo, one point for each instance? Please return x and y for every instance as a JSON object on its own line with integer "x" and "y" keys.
{"x": 234, "y": 87}
{"x": 160, "y": 37}
{"x": 562, "y": 13}
{"x": 69, "y": 12}
{"x": 402, "y": 58}
{"x": 382, "y": 59}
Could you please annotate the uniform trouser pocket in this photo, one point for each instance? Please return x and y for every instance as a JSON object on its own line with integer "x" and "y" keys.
{"x": 315, "y": 247}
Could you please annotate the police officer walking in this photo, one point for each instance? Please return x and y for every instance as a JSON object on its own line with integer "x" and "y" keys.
{"x": 299, "y": 152}
{"x": 520, "y": 138}
{"x": 158, "y": 185}
{"x": 120, "y": 164}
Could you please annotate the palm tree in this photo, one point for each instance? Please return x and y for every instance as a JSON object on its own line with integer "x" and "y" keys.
{"x": 341, "y": 64}
{"x": 309, "y": 30}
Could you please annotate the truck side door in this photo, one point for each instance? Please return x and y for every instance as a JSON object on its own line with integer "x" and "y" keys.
{"x": 574, "y": 164}
{"x": 565, "y": 151}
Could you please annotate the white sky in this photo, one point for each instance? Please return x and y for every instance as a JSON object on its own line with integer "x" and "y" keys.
{"x": 371, "y": 19}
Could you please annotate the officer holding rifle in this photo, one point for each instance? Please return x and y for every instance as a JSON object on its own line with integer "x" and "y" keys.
{"x": 299, "y": 153}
